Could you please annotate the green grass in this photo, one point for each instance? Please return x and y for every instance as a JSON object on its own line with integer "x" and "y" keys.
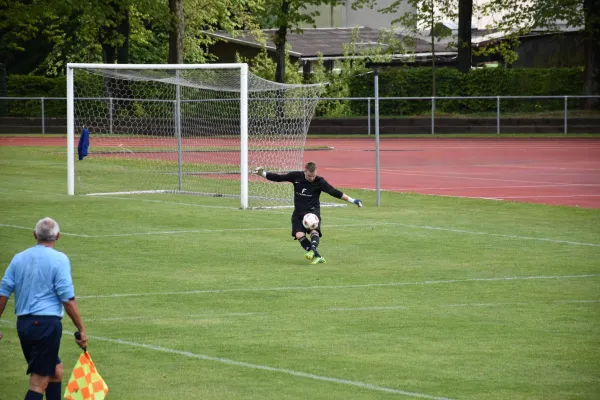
{"x": 446, "y": 297}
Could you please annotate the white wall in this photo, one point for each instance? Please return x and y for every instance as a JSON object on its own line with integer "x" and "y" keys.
{"x": 344, "y": 16}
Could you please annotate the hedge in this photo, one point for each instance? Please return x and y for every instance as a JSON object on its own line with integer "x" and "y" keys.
{"x": 417, "y": 82}
{"x": 35, "y": 86}
{"x": 406, "y": 82}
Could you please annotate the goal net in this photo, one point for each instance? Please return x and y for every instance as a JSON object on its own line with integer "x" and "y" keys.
{"x": 197, "y": 129}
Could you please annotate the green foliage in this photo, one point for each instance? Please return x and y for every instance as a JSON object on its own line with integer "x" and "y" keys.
{"x": 354, "y": 80}
{"x": 36, "y": 86}
{"x": 416, "y": 82}
{"x": 340, "y": 80}
{"x": 264, "y": 66}
{"x": 41, "y": 36}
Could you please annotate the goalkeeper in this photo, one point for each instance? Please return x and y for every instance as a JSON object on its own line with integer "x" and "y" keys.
{"x": 307, "y": 191}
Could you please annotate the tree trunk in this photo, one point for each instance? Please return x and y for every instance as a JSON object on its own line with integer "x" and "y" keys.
{"x": 177, "y": 32}
{"x": 280, "y": 55}
{"x": 465, "y": 13}
{"x": 124, "y": 29}
{"x": 280, "y": 40}
{"x": 591, "y": 9}
{"x": 111, "y": 53}
{"x": 110, "y": 34}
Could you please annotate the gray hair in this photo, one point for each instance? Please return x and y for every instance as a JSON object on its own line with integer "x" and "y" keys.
{"x": 47, "y": 230}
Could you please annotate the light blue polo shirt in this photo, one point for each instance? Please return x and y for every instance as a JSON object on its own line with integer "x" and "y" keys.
{"x": 41, "y": 279}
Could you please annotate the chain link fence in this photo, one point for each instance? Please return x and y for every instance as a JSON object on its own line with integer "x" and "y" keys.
{"x": 356, "y": 115}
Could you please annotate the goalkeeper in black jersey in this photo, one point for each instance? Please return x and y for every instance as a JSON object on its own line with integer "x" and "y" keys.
{"x": 307, "y": 190}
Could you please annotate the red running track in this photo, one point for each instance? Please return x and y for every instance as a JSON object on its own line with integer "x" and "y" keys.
{"x": 551, "y": 171}
{"x": 562, "y": 171}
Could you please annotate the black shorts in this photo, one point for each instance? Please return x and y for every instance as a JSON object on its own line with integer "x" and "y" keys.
{"x": 298, "y": 227}
{"x": 40, "y": 341}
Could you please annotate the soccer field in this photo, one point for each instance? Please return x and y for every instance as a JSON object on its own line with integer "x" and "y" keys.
{"x": 188, "y": 297}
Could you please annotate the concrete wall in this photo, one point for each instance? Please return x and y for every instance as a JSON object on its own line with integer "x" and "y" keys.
{"x": 343, "y": 16}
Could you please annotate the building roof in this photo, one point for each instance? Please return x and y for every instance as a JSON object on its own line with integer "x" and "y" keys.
{"x": 494, "y": 37}
{"x": 328, "y": 42}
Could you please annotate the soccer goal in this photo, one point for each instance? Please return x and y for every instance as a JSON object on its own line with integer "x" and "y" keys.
{"x": 193, "y": 129}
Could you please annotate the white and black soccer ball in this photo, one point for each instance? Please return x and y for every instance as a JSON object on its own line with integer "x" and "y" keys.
{"x": 310, "y": 221}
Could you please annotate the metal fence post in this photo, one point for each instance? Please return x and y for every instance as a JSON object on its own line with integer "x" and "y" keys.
{"x": 368, "y": 115}
{"x": 498, "y": 115}
{"x": 43, "y": 117}
{"x": 432, "y": 115}
{"x": 566, "y": 115}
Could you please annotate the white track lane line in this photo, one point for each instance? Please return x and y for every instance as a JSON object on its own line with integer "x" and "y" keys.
{"x": 325, "y": 287}
{"x": 395, "y": 172}
{"x": 543, "y": 197}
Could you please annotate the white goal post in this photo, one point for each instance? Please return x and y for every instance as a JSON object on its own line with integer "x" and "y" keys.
{"x": 184, "y": 128}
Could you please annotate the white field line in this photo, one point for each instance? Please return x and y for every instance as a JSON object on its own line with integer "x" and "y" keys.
{"x": 29, "y": 228}
{"x": 334, "y": 309}
{"x": 496, "y": 198}
{"x": 224, "y": 230}
{"x": 325, "y": 287}
{"x": 136, "y": 199}
{"x": 169, "y": 202}
{"x": 208, "y": 315}
{"x": 298, "y": 374}
{"x": 436, "y": 228}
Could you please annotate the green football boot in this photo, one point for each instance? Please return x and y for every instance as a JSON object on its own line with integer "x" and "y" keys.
{"x": 318, "y": 260}
{"x": 309, "y": 255}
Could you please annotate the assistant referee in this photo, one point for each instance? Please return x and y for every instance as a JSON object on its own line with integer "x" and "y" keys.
{"x": 41, "y": 279}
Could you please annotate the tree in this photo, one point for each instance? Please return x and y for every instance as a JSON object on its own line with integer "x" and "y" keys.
{"x": 465, "y": 14}
{"x": 64, "y": 31}
{"x": 114, "y": 35}
{"x": 425, "y": 14}
{"x": 176, "y": 36}
{"x": 287, "y": 16}
{"x": 520, "y": 18}
{"x": 592, "y": 50}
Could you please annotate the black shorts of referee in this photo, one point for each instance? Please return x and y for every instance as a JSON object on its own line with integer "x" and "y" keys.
{"x": 297, "y": 225}
{"x": 40, "y": 341}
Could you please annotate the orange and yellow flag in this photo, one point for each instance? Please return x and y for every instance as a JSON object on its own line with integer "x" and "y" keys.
{"x": 85, "y": 382}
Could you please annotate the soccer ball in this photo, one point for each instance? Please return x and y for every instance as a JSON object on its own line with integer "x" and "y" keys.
{"x": 310, "y": 221}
